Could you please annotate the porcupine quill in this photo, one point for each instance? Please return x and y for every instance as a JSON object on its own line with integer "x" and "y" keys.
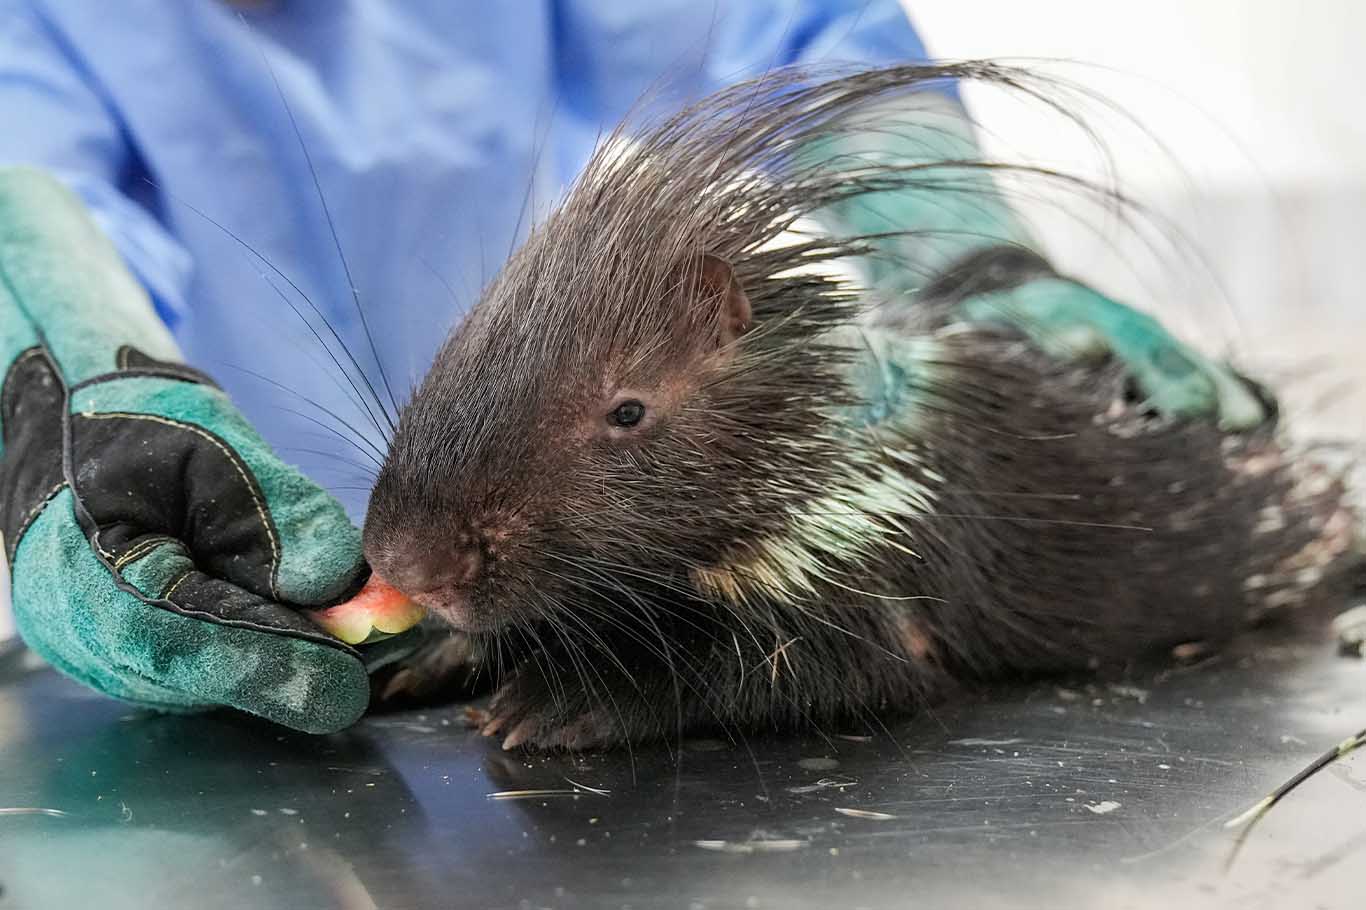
{"x": 1249, "y": 819}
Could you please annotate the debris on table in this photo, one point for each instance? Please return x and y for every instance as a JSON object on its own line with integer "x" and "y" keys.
{"x": 782, "y": 845}
{"x": 1350, "y": 629}
{"x": 26, "y": 810}
{"x": 865, "y": 813}
{"x": 825, "y": 783}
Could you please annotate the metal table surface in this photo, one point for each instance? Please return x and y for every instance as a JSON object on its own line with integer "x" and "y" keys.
{"x": 1067, "y": 793}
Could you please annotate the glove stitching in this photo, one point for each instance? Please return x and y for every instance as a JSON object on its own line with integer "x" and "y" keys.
{"x": 232, "y": 458}
{"x": 166, "y": 595}
{"x": 153, "y": 544}
{"x": 138, "y": 551}
{"x": 142, "y": 549}
{"x": 35, "y": 512}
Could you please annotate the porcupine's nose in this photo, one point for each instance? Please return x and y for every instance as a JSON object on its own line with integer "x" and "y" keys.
{"x": 465, "y": 566}
{"x": 455, "y": 570}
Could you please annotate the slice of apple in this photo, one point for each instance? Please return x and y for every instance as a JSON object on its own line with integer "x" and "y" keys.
{"x": 377, "y": 612}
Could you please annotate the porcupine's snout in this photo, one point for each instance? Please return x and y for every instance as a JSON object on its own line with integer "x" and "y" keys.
{"x": 442, "y": 576}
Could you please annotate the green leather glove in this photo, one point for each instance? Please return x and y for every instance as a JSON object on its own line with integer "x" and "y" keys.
{"x": 158, "y": 550}
{"x": 949, "y": 231}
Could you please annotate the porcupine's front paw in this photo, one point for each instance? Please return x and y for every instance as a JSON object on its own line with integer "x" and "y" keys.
{"x": 527, "y": 712}
{"x": 445, "y": 669}
{"x": 1072, "y": 322}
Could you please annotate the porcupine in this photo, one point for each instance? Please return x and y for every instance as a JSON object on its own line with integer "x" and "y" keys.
{"x": 669, "y": 474}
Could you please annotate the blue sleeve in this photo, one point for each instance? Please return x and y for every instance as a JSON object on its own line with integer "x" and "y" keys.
{"x": 754, "y": 36}
{"x": 608, "y": 53}
{"x": 56, "y": 118}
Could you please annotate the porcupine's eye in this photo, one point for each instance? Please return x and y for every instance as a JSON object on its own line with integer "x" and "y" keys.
{"x": 627, "y": 414}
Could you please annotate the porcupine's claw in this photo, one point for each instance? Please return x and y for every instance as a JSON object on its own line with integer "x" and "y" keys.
{"x": 446, "y": 668}
{"x": 527, "y": 715}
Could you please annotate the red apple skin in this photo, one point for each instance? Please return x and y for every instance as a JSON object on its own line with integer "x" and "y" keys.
{"x": 378, "y": 611}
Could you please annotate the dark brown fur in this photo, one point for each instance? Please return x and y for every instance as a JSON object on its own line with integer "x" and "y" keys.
{"x": 614, "y": 582}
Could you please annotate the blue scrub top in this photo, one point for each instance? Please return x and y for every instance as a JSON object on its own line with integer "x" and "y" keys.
{"x": 433, "y": 127}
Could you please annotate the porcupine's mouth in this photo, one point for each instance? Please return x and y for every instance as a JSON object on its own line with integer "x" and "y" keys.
{"x": 465, "y": 610}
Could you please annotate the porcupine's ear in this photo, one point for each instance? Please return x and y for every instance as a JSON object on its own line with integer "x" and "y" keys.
{"x": 719, "y": 286}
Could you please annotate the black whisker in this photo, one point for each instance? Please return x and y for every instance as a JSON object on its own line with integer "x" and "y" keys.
{"x": 359, "y": 436}
{"x": 331, "y": 227}
{"x": 283, "y": 277}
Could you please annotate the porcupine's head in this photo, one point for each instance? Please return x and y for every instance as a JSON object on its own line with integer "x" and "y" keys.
{"x": 643, "y": 397}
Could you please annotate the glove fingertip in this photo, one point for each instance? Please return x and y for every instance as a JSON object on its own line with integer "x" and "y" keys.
{"x": 340, "y": 704}
{"x": 320, "y": 556}
{"x": 306, "y": 687}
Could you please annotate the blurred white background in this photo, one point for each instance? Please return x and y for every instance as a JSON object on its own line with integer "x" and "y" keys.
{"x": 1258, "y": 104}
{"x": 1283, "y": 77}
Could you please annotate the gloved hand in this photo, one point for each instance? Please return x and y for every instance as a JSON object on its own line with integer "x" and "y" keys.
{"x": 950, "y": 236}
{"x": 158, "y": 549}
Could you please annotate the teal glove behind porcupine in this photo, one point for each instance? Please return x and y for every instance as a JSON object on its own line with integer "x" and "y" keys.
{"x": 951, "y": 233}
{"x": 158, "y": 550}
